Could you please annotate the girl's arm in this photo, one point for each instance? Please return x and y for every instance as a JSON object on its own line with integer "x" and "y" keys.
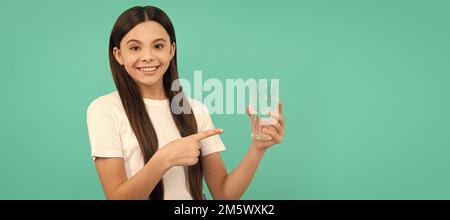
{"x": 114, "y": 181}
{"x": 233, "y": 185}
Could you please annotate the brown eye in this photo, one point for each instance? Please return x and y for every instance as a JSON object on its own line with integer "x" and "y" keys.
{"x": 159, "y": 46}
{"x": 134, "y": 48}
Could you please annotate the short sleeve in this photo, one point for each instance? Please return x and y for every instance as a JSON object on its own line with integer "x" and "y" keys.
{"x": 103, "y": 130}
{"x": 212, "y": 144}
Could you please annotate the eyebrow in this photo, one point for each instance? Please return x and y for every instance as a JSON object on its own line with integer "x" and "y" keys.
{"x": 139, "y": 42}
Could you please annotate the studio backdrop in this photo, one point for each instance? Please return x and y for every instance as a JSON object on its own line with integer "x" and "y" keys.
{"x": 365, "y": 87}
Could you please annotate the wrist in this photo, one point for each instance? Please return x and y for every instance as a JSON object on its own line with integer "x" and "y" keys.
{"x": 162, "y": 159}
{"x": 257, "y": 149}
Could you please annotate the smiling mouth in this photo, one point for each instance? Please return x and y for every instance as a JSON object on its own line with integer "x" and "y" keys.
{"x": 148, "y": 69}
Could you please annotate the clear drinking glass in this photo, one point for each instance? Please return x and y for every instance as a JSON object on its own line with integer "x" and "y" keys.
{"x": 264, "y": 107}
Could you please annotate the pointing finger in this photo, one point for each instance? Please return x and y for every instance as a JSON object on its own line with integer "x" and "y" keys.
{"x": 206, "y": 134}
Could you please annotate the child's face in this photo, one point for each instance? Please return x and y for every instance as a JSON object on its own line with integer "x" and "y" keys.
{"x": 145, "y": 52}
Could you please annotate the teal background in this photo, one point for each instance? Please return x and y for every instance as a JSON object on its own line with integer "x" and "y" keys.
{"x": 365, "y": 87}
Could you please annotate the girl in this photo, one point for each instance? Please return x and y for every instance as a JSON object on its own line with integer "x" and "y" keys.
{"x": 141, "y": 148}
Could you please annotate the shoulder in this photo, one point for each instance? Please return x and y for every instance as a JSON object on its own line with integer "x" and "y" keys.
{"x": 202, "y": 115}
{"x": 198, "y": 108}
{"x": 109, "y": 103}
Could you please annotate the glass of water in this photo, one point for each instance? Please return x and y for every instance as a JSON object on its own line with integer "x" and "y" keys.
{"x": 264, "y": 108}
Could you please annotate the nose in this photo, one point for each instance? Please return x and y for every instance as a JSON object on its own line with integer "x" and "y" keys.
{"x": 147, "y": 56}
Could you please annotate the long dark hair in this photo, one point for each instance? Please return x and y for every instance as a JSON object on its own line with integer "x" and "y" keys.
{"x": 133, "y": 102}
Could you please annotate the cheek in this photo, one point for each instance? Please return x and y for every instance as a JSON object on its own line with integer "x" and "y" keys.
{"x": 165, "y": 62}
{"x": 129, "y": 63}
{"x": 165, "y": 58}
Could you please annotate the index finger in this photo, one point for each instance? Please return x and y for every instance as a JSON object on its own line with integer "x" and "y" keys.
{"x": 206, "y": 134}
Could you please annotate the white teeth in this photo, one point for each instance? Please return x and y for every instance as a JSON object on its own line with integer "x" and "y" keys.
{"x": 148, "y": 69}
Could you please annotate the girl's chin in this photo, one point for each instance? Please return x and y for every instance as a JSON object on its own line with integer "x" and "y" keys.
{"x": 149, "y": 81}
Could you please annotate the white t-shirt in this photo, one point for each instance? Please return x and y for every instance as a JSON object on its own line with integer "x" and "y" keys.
{"x": 110, "y": 135}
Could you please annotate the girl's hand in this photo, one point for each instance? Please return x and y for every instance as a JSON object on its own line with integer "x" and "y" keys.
{"x": 186, "y": 151}
{"x": 275, "y": 131}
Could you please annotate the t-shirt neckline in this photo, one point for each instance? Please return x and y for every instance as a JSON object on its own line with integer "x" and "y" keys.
{"x": 156, "y": 102}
